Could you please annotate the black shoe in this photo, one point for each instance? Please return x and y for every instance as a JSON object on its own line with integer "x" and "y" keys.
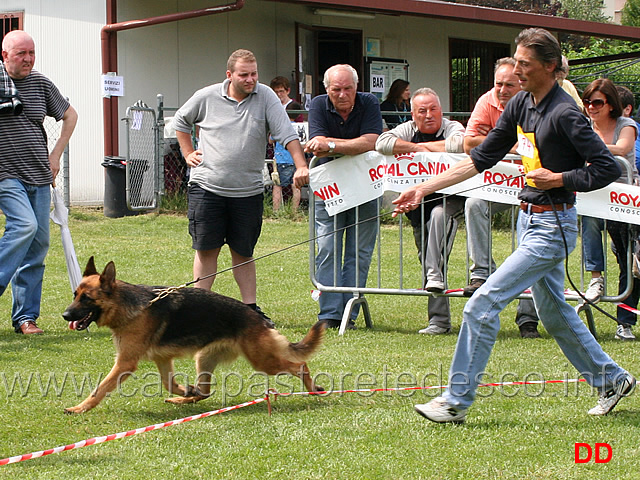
{"x": 529, "y": 330}
{"x": 474, "y": 284}
{"x": 264, "y": 316}
{"x": 336, "y": 324}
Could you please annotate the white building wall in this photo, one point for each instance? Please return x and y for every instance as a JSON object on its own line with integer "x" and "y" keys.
{"x": 613, "y": 9}
{"x": 177, "y": 58}
{"x": 67, "y": 38}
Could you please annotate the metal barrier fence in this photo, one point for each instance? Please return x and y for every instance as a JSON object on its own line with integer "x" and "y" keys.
{"x": 154, "y": 164}
{"x": 381, "y": 281}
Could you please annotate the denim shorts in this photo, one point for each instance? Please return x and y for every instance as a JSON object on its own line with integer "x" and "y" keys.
{"x": 285, "y": 172}
{"x": 215, "y": 220}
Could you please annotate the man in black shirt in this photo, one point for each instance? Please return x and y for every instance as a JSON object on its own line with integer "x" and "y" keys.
{"x": 561, "y": 154}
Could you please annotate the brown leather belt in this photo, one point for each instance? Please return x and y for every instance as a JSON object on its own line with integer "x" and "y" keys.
{"x": 530, "y": 207}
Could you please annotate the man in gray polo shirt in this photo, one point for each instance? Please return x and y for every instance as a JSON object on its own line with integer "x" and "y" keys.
{"x": 234, "y": 119}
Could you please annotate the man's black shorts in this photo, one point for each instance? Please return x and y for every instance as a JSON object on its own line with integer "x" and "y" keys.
{"x": 216, "y": 220}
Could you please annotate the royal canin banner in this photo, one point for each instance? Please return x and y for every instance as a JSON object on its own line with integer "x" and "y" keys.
{"x": 349, "y": 181}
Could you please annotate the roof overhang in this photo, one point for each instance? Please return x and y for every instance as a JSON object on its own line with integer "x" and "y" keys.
{"x": 474, "y": 14}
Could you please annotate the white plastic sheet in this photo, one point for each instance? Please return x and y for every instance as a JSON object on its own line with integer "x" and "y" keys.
{"x": 60, "y": 216}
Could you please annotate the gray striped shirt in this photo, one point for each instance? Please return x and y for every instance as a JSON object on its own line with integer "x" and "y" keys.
{"x": 23, "y": 144}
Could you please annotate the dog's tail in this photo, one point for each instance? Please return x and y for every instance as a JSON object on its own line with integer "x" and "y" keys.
{"x": 306, "y": 347}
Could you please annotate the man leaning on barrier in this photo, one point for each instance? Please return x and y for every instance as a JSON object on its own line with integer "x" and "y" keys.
{"x": 561, "y": 155}
{"x": 477, "y": 212}
{"x": 343, "y": 122}
{"x": 428, "y": 131}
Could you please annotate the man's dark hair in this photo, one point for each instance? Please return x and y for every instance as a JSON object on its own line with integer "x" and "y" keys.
{"x": 626, "y": 97}
{"x": 545, "y": 45}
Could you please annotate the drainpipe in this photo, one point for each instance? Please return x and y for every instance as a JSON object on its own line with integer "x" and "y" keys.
{"x": 109, "y": 53}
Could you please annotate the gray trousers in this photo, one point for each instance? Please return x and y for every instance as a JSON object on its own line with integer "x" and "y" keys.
{"x": 440, "y": 228}
{"x": 477, "y": 214}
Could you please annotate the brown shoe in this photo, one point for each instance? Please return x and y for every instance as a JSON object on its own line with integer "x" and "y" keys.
{"x": 474, "y": 284}
{"x": 30, "y": 328}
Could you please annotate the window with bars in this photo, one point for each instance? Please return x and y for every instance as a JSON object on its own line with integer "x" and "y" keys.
{"x": 471, "y": 70}
{"x": 10, "y": 21}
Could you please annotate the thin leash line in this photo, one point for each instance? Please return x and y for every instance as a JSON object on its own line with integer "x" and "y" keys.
{"x": 566, "y": 265}
{"x": 166, "y": 291}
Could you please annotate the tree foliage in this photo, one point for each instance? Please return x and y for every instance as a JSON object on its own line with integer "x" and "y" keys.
{"x": 576, "y": 46}
{"x": 590, "y": 10}
{"x": 544, "y": 7}
{"x": 631, "y": 13}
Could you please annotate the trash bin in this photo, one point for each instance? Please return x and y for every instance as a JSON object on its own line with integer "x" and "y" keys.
{"x": 115, "y": 187}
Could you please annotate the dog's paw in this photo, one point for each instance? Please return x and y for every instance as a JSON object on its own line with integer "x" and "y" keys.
{"x": 182, "y": 400}
{"x": 73, "y": 410}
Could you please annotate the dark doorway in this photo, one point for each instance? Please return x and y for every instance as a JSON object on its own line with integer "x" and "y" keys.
{"x": 339, "y": 46}
{"x": 318, "y": 49}
{"x": 471, "y": 70}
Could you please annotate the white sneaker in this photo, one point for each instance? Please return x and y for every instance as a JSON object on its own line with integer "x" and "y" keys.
{"x": 623, "y": 332}
{"x": 435, "y": 286}
{"x": 595, "y": 290}
{"x": 610, "y": 398}
{"x": 439, "y": 411}
{"x": 435, "y": 330}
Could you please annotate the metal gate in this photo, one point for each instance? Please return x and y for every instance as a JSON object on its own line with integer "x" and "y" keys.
{"x": 142, "y": 153}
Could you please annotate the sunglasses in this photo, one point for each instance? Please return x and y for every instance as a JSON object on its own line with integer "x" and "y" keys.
{"x": 595, "y": 103}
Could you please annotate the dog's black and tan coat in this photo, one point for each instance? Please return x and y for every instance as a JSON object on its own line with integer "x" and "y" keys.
{"x": 189, "y": 322}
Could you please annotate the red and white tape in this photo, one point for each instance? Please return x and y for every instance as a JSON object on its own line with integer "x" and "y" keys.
{"x": 628, "y": 308}
{"x": 267, "y": 397}
{"x": 115, "y": 436}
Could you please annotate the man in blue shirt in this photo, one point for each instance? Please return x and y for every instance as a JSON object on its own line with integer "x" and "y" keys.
{"x": 561, "y": 155}
{"x": 345, "y": 122}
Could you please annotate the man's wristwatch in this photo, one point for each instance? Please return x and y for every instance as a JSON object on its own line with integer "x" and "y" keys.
{"x": 332, "y": 146}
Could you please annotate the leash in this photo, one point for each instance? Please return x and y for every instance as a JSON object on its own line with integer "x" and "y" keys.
{"x": 566, "y": 264}
{"x": 164, "y": 292}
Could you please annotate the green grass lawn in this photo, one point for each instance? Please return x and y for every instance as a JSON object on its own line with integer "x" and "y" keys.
{"x": 511, "y": 432}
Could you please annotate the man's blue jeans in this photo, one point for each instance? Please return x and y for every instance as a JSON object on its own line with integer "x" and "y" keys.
{"x": 538, "y": 261}
{"x": 358, "y": 248}
{"x": 24, "y": 246}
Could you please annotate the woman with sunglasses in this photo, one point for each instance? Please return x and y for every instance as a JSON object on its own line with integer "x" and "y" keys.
{"x": 604, "y": 108}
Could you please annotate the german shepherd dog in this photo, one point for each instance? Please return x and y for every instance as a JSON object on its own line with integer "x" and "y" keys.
{"x": 188, "y": 322}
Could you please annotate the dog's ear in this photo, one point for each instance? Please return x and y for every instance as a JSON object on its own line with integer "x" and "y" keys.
{"x": 90, "y": 269}
{"x": 108, "y": 277}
